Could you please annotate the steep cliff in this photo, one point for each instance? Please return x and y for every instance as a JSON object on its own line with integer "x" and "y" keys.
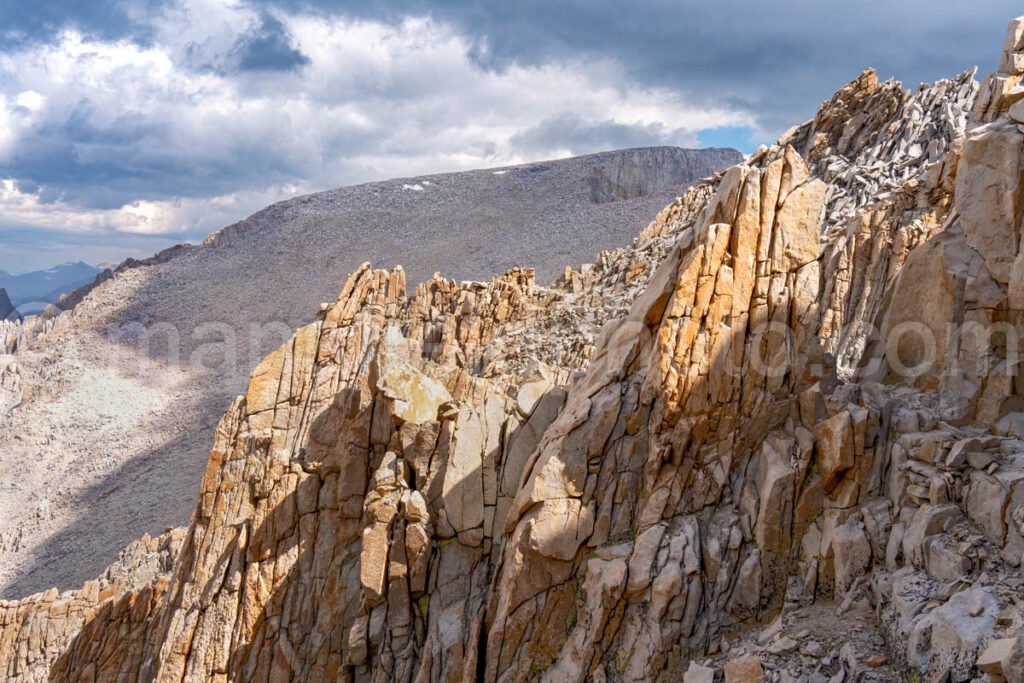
{"x": 750, "y": 443}
{"x": 636, "y": 173}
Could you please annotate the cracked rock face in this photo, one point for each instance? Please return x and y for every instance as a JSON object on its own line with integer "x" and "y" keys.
{"x": 703, "y": 457}
{"x": 185, "y": 328}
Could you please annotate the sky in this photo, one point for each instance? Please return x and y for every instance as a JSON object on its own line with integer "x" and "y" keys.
{"x": 127, "y": 126}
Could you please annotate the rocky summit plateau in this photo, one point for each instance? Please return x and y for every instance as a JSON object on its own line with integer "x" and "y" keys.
{"x": 779, "y": 437}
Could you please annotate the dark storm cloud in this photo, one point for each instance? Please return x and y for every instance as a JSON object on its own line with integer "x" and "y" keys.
{"x": 267, "y": 47}
{"x": 31, "y": 22}
{"x": 86, "y": 163}
{"x": 571, "y": 132}
{"x": 779, "y": 58}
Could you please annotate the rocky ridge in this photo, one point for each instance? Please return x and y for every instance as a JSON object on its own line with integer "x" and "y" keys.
{"x": 116, "y": 398}
{"x": 711, "y": 455}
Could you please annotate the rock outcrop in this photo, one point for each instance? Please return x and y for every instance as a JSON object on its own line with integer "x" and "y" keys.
{"x": 167, "y": 342}
{"x": 757, "y": 444}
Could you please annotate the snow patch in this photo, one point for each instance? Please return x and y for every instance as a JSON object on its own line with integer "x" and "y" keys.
{"x": 415, "y": 187}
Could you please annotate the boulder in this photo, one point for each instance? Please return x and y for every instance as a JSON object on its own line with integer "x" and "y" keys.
{"x": 928, "y": 520}
{"x": 835, "y": 448}
{"x": 415, "y": 397}
{"x": 697, "y": 673}
{"x": 746, "y": 669}
{"x": 795, "y": 241}
{"x": 949, "y": 638}
{"x": 986, "y": 502}
{"x": 1003, "y": 660}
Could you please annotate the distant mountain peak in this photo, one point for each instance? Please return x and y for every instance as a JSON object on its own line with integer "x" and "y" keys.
{"x": 30, "y": 292}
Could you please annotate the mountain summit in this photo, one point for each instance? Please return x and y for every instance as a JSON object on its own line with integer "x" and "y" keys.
{"x": 778, "y": 437}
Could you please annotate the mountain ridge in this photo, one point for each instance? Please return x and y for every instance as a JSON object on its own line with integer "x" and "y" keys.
{"x": 33, "y": 290}
{"x": 709, "y": 454}
{"x": 166, "y": 343}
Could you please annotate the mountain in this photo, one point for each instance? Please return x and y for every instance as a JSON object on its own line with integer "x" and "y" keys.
{"x": 32, "y": 291}
{"x": 163, "y": 345}
{"x": 777, "y": 437}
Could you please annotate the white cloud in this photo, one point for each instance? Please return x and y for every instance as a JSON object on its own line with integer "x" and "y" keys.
{"x": 18, "y": 113}
{"x": 26, "y": 211}
{"x": 119, "y": 137}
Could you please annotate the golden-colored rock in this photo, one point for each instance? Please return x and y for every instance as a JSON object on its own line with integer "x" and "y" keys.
{"x": 599, "y": 479}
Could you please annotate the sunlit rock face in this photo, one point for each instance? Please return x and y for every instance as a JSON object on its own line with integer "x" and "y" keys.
{"x": 757, "y": 443}
{"x": 122, "y": 390}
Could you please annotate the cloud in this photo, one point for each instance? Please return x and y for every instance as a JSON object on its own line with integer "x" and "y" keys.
{"x": 114, "y": 128}
{"x": 776, "y": 58}
{"x": 191, "y": 217}
{"x": 268, "y": 48}
{"x": 35, "y": 234}
{"x": 173, "y": 117}
{"x": 570, "y": 132}
{"x": 32, "y": 22}
{"x": 266, "y": 45}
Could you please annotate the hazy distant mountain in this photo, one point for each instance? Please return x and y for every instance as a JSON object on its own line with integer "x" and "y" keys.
{"x": 31, "y": 291}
